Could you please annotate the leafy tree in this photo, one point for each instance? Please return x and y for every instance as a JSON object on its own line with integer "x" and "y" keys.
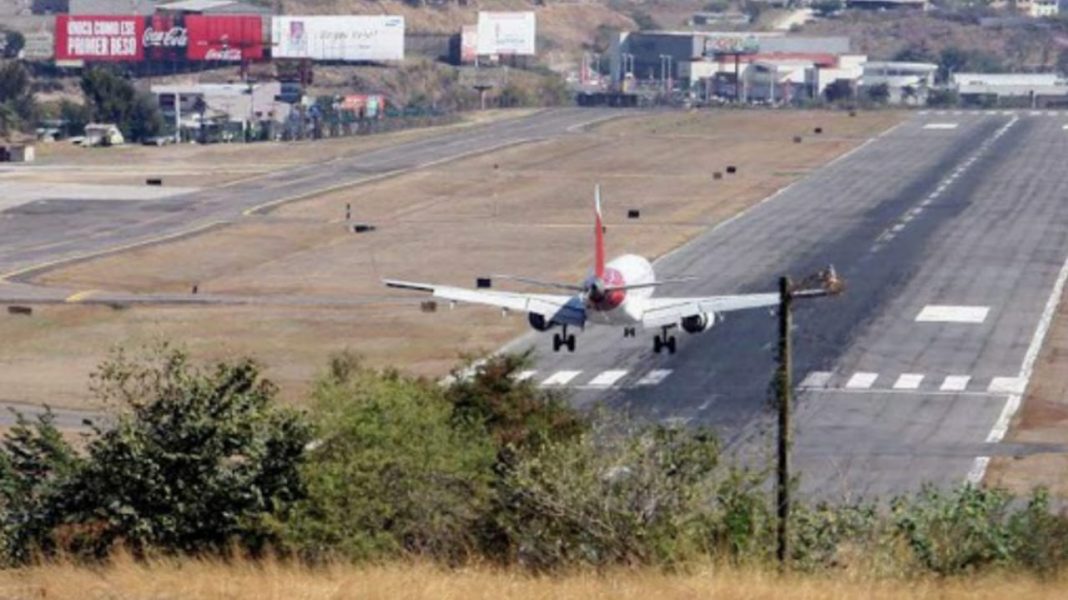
{"x": 17, "y": 107}
{"x": 826, "y": 8}
{"x": 644, "y": 20}
{"x": 838, "y": 91}
{"x": 35, "y": 465}
{"x": 113, "y": 99}
{"x": 197, "y": 459}
{"x": 74, "y": 116}
{"x": 392, "y": 471}
{"x": 14, "y": 42}
{"x": 879, "y": 93}
{"x": 920, "y": 53}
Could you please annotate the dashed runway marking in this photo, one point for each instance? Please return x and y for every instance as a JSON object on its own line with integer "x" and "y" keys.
{"x": 817, "y": 379}
{"x": 524, "y": 375}
{"x": 935, "y": 313}
{"x": 908, "y": 381}
{"x": 607, "y": 378}
{"x": 955, "y": 383}
{"x": 654, "y": 377}
{"x": 561, "y": 378}
{"x": 1007, "y": 385}
{"x": 861, "y": 381}
{"x": 940, "y": 126}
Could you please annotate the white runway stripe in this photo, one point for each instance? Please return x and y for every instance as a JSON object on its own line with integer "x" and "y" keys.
{"x": 955, "y": 383}
{"x": 524, "y": 375}
{"x": 817, "y": 379}
{"x": 561, "y": 378}
{"x": 607, "y": 378}
{"x": 1006, "y": 385}
{"x": 934, "y": 313}
{"x": 908, "y": 381}
{"x": 861, "y": 381}
{"x": 654, "y": 377}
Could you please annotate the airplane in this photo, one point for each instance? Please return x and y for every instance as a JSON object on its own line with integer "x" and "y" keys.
{"x": 617, "y": 293}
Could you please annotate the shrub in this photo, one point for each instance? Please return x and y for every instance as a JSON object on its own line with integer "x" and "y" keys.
{"x": 392, "y": 471}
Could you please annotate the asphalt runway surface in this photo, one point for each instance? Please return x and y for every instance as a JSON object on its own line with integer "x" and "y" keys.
{"x": 951, "y": 233}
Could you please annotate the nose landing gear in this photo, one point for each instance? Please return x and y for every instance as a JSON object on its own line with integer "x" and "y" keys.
{"x": 629, "y": 332}
{"x": 664, "y": 340}
{"x": 563, "y": 339}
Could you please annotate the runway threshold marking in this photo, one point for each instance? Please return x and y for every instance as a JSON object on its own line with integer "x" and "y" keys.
{"x": 908, "y": 381}
{"x": 817, "y": 379}
{"x": 861, "y": 380}
{"x": 1007, "y": 385}
{"x": 524, "y": 375}
{"x": 955, "y": 383}
{"x": 654, "y": 377}
{"x": 561, "y": 377}
{"x": 938, "y": 313}
{"x": 940, "y": 126}
{"x": 607, "y": 378}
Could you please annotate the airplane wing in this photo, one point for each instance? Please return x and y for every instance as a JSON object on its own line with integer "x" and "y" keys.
{"x": 559, "y": 308}
{"x": 669, "y": 311}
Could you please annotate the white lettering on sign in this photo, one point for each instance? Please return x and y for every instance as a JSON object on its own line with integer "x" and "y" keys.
{"x": 102, "y": 38}
{"x": 222, "y": 54}
{"x": 175, "y": 37}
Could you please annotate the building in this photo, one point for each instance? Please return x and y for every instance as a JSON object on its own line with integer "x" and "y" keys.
{"x": 212, "y": 7}
{"x": 17, "y": 153}
{"x": 658, "y": 55}
{"x": 1011, "y": 89}
{"x": 225, "y": 111}
{"x": 102, "y": 134}
{"x": 888, "y": 4}
{"x": 110, "y": 7}
{"x": 906, "y": 82}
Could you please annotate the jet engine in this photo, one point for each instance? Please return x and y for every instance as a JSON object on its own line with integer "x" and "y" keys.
{"x": 698, "y": 323}
{"x": 539, "y": 322}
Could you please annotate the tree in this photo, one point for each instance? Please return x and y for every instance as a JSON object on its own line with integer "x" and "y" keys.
{"x": 838, "y": 91}
{"x": 826, "y": 8}
{"x": 392, "y": 473}
{"x": 14, "y": 42}
{"x": 198, "y": 458}
{"x": 17, "y": 106}
{"x": 644, "y": 20}
{"x": 879, "y": 93}
{"x": 74, "y": 116}
{"x": 113, "y": 99}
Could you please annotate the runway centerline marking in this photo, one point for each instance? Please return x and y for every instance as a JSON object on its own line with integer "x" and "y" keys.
{"x": 940, "y": 313}
{"x": 940, "y": 126}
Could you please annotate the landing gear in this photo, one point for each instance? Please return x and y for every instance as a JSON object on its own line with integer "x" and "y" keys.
{"x": 563, "y": 339}
{"x": 664, "y": 340}
{"x": 629, "y": 332}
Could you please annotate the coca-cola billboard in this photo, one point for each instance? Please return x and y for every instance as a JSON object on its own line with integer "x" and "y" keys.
{"x": 164, "y": 38}
{"x": 224, "y": 37}
{"x": 99, "y": 38}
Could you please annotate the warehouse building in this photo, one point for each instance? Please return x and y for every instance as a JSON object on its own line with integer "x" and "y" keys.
{"x": 907, "y": 82}
{"x": 1011, "y": 89}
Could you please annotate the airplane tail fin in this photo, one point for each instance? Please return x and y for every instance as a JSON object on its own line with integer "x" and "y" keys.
{"x": 598, "y": 233}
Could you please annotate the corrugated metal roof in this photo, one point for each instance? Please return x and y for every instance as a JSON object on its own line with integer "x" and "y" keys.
{"x": 111, "y": 7}
{"x": 195, "y": 5}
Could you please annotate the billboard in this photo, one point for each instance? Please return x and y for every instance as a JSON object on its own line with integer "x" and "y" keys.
{"x": 225, "y": 37}
{"x": 164, "y": 38}
{"x": 347, "y": 38}
{"x": 731, "y": 44}
{"x": 506, "y": 32}
{"x": 99, "y": 38}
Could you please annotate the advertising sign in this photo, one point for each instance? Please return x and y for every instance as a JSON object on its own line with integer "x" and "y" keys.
{"x": 40, "y": 45}
{"x": 346, "y": 38}
{"x": 506, "y": 32}
{"x": 731, "y": 44}
{"x": 164, "y": 38}
{"x": 468, "y": 44}
{"x": 225, "y": 37}
{"x": 99, "y": 38}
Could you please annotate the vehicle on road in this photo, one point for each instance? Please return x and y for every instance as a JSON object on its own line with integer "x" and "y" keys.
{"x": 617, "y": 293}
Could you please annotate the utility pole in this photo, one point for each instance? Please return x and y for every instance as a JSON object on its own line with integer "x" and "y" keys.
{"x": 825, "y": 283}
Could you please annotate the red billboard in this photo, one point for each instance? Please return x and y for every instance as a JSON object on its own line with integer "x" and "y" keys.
{"x": 225, "y": 37}
{"x": 99, "y": 38}
{"x": 164, "y": 38}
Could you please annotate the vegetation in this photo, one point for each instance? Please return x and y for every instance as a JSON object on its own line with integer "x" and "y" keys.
{"x": 199, "y": 461}
{"x": 113, "y": 99}
{"x": 17, "y": 107}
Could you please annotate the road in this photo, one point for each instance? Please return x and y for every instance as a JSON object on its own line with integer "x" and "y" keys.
{"x": 951, "y": 233}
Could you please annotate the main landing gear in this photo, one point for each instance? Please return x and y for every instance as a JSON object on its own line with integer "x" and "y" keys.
{"x": 664, "y": 341}
{"x": 563, "y": 339}
{"x": 629, "y": 332}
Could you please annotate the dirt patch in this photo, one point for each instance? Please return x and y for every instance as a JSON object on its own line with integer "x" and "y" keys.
{"x": 524, "y": 210}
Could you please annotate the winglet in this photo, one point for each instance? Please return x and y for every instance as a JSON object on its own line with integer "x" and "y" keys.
{"x": 598, "y": 233}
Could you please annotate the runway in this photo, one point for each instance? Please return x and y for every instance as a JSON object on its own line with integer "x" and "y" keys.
{"x": 951, "y": 234}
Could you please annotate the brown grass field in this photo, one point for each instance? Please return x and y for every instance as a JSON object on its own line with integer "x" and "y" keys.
{"x": 186, "y": 578}
{"x": 523, "y": 210}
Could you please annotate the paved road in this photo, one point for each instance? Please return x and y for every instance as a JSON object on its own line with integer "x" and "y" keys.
{"x": 964, "y": 211}
{"x": 62, "y": 228}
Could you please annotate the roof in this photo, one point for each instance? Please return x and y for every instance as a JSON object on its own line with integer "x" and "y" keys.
{"x": 111, "y": 7}
{"x": 213, "y": 7}
{"x": 894, "y": 65}
{"x": 1008, "y": 79}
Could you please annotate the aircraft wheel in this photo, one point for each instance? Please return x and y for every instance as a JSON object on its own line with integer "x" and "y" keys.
{"x": 571, "y": 343}
{"x": 557, "y": 342}
{"x": 658, "y": 344}
{"x": 671, "y": 345}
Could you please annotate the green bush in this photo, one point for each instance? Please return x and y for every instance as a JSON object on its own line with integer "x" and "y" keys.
{"x": 391, "y": 472}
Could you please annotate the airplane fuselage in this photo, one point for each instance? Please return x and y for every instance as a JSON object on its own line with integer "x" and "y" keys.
{"x": 622, "y": 307}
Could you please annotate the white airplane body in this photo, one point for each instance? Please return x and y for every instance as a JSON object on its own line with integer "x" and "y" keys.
{"x": 617, "y": 293}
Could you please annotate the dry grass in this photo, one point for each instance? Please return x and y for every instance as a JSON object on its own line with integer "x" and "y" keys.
{"x": 176, "y": 579}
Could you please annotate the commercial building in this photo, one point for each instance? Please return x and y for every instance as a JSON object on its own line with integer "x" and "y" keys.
{"x": 221, "y": 111}
{"x": 1011, "y": 89}
{"x": 906, "y": 82}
